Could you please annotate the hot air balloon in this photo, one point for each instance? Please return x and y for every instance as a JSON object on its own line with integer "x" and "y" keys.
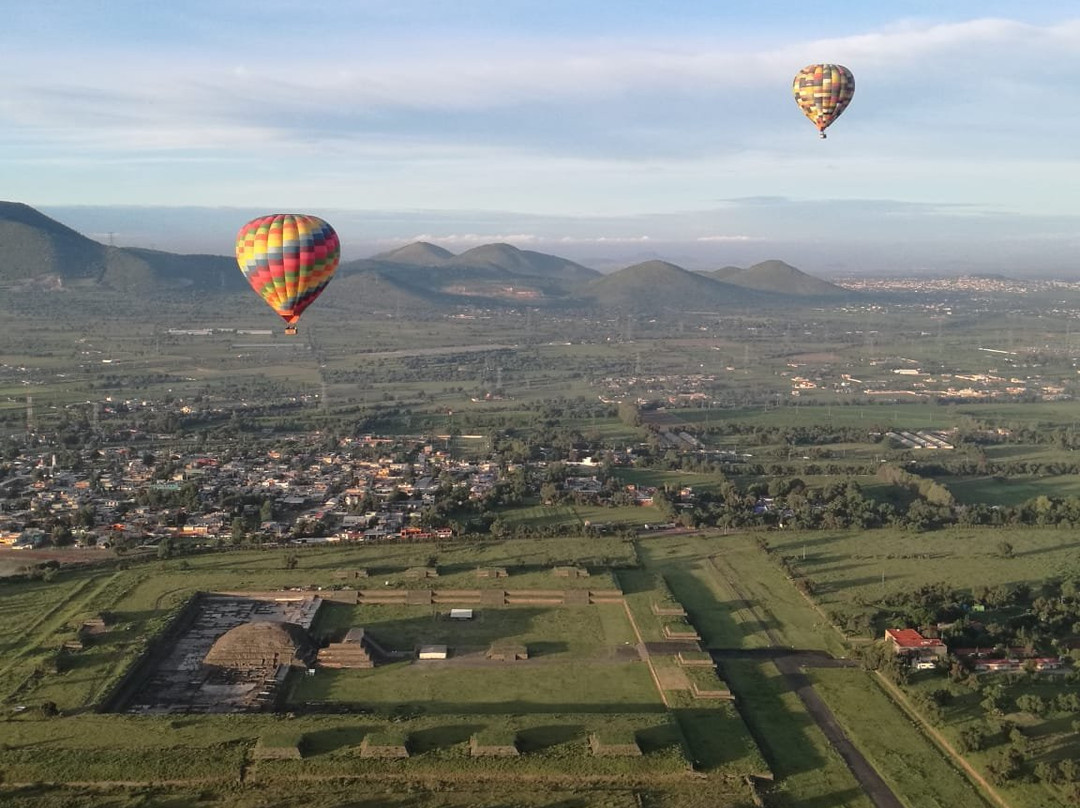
{"x": 288, "y": 258}
{"x": 823, "y": 92}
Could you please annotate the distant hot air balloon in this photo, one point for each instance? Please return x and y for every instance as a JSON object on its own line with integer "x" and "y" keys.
{"x": 288, "y": 258}
{"x": 823, "y": 92}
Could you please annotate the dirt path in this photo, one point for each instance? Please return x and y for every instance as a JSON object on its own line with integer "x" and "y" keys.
{"x": 644, "y": 653}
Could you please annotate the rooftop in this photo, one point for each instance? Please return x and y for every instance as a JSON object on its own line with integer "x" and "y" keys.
{"x": 910, "y": 638}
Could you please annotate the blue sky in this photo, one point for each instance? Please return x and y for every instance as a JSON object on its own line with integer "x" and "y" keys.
{"x": 605, "y": 131}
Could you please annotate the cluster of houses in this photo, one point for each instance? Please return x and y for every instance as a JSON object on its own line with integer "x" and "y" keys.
{"x": 105, "y": 495}
{"x": 881, "y": 379}
{"x": 928, "y": 653}
{"x": 360, "y": 490}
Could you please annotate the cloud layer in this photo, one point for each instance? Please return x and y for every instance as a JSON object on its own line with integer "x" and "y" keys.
{"x": 589, "y": 116}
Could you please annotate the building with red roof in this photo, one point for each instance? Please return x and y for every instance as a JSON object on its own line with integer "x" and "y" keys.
{"x": 913, "y": 646}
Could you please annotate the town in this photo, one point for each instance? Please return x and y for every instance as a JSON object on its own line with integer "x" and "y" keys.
{"x": 303, "y": 491}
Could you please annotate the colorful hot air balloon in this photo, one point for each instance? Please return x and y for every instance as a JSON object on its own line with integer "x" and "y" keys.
{"x": 823, "y": 92}
{"x": 288, "y": 258}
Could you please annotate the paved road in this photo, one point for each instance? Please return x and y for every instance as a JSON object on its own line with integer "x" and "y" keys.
{"x": 876, "y": 788}
{"x": 790, "y": 663}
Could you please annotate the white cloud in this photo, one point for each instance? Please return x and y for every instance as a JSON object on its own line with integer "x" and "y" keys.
{"x": 293, "y": 92}
{"x": 975, "y": 112}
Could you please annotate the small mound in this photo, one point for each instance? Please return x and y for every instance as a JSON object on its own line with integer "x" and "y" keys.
{"x": 260, "y": 644}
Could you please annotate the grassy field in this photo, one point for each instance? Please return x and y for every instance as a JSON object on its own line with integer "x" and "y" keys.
{"x": 573, "y": 687}
{"x": 726, "y": 620}
{"x": 1011, "y": 490}
{"x": 852, "y": 566}
{"x": 843, "y": 567}
{"x": 584, "y": 632}
{"x": 565, "y": 515}
{"x": 902, "y": 756}
{"x": 1047, "y": 738}
{"x": 584, "y": 676}
{"x": 808, "y": 770}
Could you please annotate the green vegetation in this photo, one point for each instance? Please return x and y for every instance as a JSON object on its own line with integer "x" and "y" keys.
{"x": 892, "y": 743}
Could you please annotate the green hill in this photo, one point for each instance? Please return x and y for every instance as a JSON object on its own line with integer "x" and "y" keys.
{"x": 37, "y": 250}
{"x": 658, "y": 285}
{"x": 779, "y": 278}
{"x": 420, "y": 253}
{"x": 525, "y": 262}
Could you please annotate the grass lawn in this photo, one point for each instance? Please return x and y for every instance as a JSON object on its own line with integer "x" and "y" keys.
{"x": 698, "y": 568}
{"x": 580, "y": 632}
{"x": 494, "y": 688}
{"x": 581, "y": 658}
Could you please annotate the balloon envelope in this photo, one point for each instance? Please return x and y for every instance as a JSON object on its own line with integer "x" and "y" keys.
{"x": 288, "y": 258}
{"x": 823, "y": 92}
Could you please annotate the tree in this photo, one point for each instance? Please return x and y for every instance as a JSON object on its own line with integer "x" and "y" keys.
{"x": 994, "y": 700}
{"x": 48, "y": 709}
{"x": 1030, "y": 703}
{"x": 972, "y": 739}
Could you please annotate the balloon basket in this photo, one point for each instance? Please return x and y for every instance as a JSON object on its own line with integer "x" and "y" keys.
{"x": 290, "y": 331}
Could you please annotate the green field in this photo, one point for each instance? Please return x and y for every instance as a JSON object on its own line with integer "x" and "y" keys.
{"x": 578, "y": 516}
{"x": 572, "y": 687}
{"x": 584, "y": 675}
{"x": 851, "y": 567}
{"x": 40, "y": 616}
{"x": 1011, "y": 490}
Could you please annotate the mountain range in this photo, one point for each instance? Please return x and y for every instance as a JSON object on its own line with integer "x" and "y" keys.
{"x": 39, "y": 252}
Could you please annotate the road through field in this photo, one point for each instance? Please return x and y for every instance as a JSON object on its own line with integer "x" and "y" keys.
{"x": 790, "y": 667}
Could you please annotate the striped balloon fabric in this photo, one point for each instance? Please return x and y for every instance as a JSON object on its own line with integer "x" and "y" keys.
{"x": 288, "y": 258}
{"x": 823, "y": 92}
